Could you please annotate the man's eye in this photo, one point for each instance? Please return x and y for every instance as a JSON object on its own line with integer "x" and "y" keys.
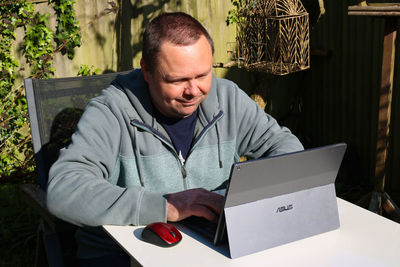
{"x": 202, "y": 77}
{"x": 176, "y": 82}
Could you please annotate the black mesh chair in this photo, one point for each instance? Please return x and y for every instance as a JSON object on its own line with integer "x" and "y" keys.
{"x": 55, "y": 106}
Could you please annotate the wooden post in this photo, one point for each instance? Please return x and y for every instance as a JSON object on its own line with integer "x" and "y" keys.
{"x": 385, "y": 101}
{"x": 390, "y": 12}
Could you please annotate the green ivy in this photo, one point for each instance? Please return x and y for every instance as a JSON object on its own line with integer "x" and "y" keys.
{"x": 85, "y": 70}
{"x": 14, "y": 131}
{"x": 38, "y": 50}
{"x": 13, "y": 15}
{"x": 68, "y": 35}
{"x": 38, "y": 47}
{"x": 233, "y": 14}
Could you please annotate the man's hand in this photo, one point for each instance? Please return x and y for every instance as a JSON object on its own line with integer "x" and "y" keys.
{"x": 198, "y": 202}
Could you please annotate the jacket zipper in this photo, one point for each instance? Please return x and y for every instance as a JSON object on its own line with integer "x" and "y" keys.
{"x": 206, "y": 129}
{"x": 163, "y": 139}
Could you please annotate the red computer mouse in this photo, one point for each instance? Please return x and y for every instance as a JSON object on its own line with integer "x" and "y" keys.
{"x": 161, "y": 234}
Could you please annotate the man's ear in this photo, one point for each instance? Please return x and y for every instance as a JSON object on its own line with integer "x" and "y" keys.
{"x": 145, "y": 70}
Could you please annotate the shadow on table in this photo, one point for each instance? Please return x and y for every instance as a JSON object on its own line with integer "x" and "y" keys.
{"x": 138, "y": 233}
{"x": 222, "y": 249}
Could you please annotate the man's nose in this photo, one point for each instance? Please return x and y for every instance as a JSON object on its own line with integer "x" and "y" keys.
{"x": 191, "y": 88}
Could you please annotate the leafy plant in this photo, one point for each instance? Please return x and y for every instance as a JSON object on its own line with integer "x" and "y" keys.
{"x": 85, "y": 70}
{"x": 233, "y": 14}
{"x": 38, "y": 50}
{"x": 68, "y": 35}
{"x": 39, "y": 46}
{"x": 14, "y": 130}
{"x": 14, "y": 13}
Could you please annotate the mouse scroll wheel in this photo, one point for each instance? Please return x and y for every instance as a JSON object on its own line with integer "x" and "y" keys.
{"x": 173, "y": 234}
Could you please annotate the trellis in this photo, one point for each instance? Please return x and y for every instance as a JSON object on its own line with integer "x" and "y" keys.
{"x": 273, "y": 36}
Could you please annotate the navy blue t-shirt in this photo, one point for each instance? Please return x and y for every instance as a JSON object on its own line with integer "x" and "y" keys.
{"x": 180, "y": 131}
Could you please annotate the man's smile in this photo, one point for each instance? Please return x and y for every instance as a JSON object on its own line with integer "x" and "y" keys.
{"x": 189, "y": 102}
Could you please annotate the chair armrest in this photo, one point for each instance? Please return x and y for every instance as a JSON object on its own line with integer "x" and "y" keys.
{"x": 36, "y": 198}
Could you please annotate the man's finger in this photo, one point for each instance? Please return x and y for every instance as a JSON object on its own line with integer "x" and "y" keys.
{"x": 197, "y": 202}
{"x": 205, "y": 212}
{"x": 211, "y": 200}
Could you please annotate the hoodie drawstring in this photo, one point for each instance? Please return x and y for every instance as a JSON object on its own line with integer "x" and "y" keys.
{"x": 219, "y": 146}
{"x": 138, "y": 159}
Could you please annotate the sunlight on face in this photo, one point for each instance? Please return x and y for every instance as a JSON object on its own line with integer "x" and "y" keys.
{"x": 181, "y": 79}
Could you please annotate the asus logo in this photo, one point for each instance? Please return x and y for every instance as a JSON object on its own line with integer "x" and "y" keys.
{"x": 284, "y": 208}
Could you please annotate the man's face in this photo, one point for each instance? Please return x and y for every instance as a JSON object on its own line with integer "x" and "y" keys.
{"x": 181, "y": 79}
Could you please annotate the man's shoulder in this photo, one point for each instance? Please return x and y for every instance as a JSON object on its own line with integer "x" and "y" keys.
{"x": 223, "y": 83}
{"x": 228, "y": 89}
{"x": 116, "y": 90}
{"x": 129, "y": 80}
{"x": 109, "y": 95}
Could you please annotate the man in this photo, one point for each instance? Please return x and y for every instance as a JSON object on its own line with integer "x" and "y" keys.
{"x": 154, "y": 144}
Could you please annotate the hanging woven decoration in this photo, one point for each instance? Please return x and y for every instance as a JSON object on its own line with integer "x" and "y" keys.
{"x": 273, "y": 36}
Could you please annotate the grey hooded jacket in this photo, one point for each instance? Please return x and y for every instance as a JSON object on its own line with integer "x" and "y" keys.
{"x": 121, "y": 162}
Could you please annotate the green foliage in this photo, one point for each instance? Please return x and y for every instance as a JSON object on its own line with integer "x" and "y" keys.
{"x": 68, "y": 35}
{"x": 15, "y": 138}
{"x": 233, "y": 14}
{"x": 39, "y": 46}
{"x": 38, "y": 49}
{"x": 15, "y": 144}
{"x": 236, "y": 15}
{"x": 85, "y": 70}
{"x": 14, "y": 13}
{"x": 19, "y": 223}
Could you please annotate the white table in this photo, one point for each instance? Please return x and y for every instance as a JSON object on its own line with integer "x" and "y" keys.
{"x": 364, "y": 239}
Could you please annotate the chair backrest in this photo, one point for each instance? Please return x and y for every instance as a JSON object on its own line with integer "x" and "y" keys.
{"x": 55, "y": 106}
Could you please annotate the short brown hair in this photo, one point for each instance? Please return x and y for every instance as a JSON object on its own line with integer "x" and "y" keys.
{"x": 178, "y": 28}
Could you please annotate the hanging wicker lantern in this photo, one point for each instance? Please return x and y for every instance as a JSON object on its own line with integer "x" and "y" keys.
{"x": 273, "y": 36}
